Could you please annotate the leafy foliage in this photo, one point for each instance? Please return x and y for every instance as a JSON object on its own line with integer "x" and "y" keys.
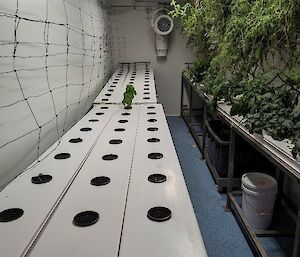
{"x": 128, "y": 96}
{"x": 248, "y": 54}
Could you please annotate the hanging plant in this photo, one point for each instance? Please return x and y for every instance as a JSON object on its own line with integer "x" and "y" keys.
{"x": 250, "y": 51}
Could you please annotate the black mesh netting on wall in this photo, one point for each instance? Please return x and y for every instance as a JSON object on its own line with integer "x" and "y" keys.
{"x": 55, "y": 57}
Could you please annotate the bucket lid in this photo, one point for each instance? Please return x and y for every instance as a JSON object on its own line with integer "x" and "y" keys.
{"x": 259, "y": 182}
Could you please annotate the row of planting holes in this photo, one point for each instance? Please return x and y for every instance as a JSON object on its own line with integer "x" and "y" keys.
{"x": 133, "y": 76}
{"x": 88, "y": 218}
{"x": 112, "y": 87}
{"x": 12, "y": 214}
{"x": 146, "y": 81}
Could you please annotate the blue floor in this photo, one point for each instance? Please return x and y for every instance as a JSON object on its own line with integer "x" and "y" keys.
{"x": 220, "y": 231}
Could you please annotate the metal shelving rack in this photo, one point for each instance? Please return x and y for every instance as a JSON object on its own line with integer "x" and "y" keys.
{"x": 284, "y": 163}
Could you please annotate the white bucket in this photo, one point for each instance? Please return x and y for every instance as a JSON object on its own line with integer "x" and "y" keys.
{"x": 259, "y": 194}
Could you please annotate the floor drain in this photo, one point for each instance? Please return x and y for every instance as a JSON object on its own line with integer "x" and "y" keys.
{"x": 104, "y": 107}
{"x": 155, "y": 156}
{"x": 119, "y": 129}
{"x": 152, "y": 120}
{"x": 115, "y": 141}
{"x": 109, "y": 157}
{"x": 11, "y": 214}
{"x": 125, "y": 113}
{"x": 157, "y": 178}
{"x": 93, "y": 120}
{"x": 85, "y": 129}
{"x": 153, "y": 140}
{"x": 159, "y": 214}
{"x": 62, "y": 156}
{"x": 146, "y": 98}
{"x": 86, "y": 218}
{"x": 151, "y": 107}
{"x": 100, "y": 181}
{"x": 123, "y": 121}
{"x": 152, "y": 129}
{"x": 151, "y": 113}
{"x": 75, "y": 140}
{"x": 108, "y": 94}
{"x": 41, "y": 179}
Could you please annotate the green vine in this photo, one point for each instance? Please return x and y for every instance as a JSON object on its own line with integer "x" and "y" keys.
{"x": 248, "y": 54}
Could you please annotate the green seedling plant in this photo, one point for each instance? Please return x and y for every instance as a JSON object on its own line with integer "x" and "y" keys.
{"x": 129, "y": 94}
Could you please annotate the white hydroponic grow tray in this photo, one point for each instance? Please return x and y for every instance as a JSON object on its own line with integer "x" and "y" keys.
{"x": 38, "y": 201}
{"x": 140, "y": 75}
{"x": 123, "y": 228}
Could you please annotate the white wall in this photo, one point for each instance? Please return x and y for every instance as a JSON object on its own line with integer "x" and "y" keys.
{"x": 134, "y": 40}
{"x": 55, "y": 56}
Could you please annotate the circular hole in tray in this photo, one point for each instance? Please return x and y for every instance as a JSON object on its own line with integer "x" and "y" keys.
{"x": 108, "y": 94}
{"x": 123, "y": 121}
{"x": 125, "y": 113}
{"x": 146, "y": 93}
{"x": 152, "y": 120}
{"x": 146, "y": 98}
{"x": 153, "y": 140}
{"x": 110, "y": 90}
{"x": 146, "y": 89}
{"x": 157, "y": 178}
{"x": 110, "y": 157}
{"x": 99, "y": 113}
{"x": 152, "y": 129}
{"x": 155, "y": 156}
{"x": 85, "y": 129}
{"x": 159, "y": 214}
{"x": 115, "y": 141}
{"x": 104, "y": 107}
{"x": 119, "y": 129}
{"x": 86, "y": 218}
{"x": 146, "y": 85}
{"x": 11, "y": 214}
{"x": 151, "y": 113}
{"x": 75, "y": 140}
{"x": 100, "y": 181}
{"x": 93, "y": 120}
{"x": 41, "y": 179}
{"x": 151, "y": 107}
{"x": 62, "y": 156}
